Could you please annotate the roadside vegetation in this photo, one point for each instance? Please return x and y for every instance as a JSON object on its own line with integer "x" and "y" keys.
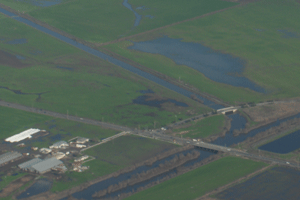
{"x": 196, "y": 183}
{"x": 263, "y": 34}
{"x": 203, "y": 128}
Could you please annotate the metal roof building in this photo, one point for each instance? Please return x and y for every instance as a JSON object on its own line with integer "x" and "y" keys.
{"x": 46, "y": 165}
{"x": 9, "y": 156}
{"x": 59, "y": 144}
{"x": 27, "y": 165}
{"x": 82, "y": 140}
{"x": 22, "y": 136}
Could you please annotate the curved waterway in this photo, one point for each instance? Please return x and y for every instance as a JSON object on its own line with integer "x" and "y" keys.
{"x": 112, "y": 60}
{"x": 137, "y": 16}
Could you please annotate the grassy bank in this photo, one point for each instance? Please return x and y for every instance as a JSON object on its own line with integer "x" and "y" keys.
{"x": 266, "y": 40}
{"x": 201, "y": 180}
{"x": 57, "y": 77}
{"x": 85, "y": 19}
{"x": 203, "y": 128}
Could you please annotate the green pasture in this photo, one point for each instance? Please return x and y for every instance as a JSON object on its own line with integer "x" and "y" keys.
{"x": 196, "y": 183}
{"x": 103, "y": 21}
{"x": 203, "y": 128}
{"x": 253, "y": 33}
{"x": 128, "y": 150}
{"x": 7, "y": 179}
{"x": 75, "y": 82}
{"x": 71, "y": 179}
{"x": 20, "y": 6}
{"x": 113, "y": 156}
{"x": 14, "y": 121}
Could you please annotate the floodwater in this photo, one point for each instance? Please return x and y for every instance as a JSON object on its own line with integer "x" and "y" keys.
{"x": 42, "y": 3}
{"x": 285, "y": 144}
{"x": 40, "y": 186}
{"x": 143, "y": 100}
{"x": 87, "y": 193}
{"x": 20, "y": 57}
{"x": 276, "y": 184}
{"x": 288, "y": 34}
{"x": 17, "y": 41}
{"x": 238, "y": 122}
{"x": 137, "y": 16}
{"x": 113, "y": 60}
{"x": 219, "y": 67}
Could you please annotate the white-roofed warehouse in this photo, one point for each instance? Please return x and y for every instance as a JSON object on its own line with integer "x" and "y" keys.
{"x": 22, "y": 136}
{"x": 46, "y": 165}
{"x": 28, "y": 165}
{"x": 9, "y": 156}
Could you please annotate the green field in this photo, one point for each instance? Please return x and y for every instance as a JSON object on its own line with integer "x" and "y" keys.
{"x": 196, "y": 183}
{"x": 252, "y": 33}
{"x": 128, "y": 150}
{"x": 203, "y": 128}
{"x": 73, "y": 81}
{"x": 7, "y": 179}
{"x": 112, "y": 156}
{"x": 102, "y": 21}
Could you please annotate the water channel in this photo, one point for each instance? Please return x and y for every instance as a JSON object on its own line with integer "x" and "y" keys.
{"x": 137, "y": 16}
{"x": 238, "y": 122}
{"x": 113, "y": 60}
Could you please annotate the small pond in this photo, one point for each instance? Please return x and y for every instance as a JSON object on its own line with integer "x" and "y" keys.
{"x": 40, "y": 186}
{"x": 285, "y": 144}
{"x": 219, "y": 67}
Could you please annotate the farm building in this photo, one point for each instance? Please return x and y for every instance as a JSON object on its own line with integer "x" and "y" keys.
{"x": 8, "y": 157}
{"x": 23, "y": 135}
{"x": 59, "y": 145}
{"x": 81, "y": 158}
{"x": 58, "y": 155}
{"x": 82, "y": 140}
{"x": 45, "y": 150}
{"x": 80, "y": 145}
{"x": 46, "y": 165}
{"x": 26, "y": 166}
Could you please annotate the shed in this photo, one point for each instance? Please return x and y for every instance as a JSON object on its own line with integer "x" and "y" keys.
{"x": 46, "y": 165}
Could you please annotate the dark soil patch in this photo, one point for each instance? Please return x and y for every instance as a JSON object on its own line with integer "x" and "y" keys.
{"x": 11, "y": 60}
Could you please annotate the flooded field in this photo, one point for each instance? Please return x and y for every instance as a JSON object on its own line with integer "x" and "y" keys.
{"x": 222, "y": 68}
{"x": 275, "y": 184}
{"x": 285, "y": 144}
{"x": 40, "y": 186}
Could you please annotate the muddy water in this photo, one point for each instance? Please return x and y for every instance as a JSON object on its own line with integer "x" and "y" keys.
{"x": 286, "y": 144}
{"x": 219, "y": 67}
{"x": 137, "y": 16}
{"x": 40, "y": 186}
{"x": 113, "y": 60}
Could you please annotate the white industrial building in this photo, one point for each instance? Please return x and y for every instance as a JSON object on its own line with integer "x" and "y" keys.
{"x": 46, "y": 165}
{"x": 9, "y": 157}
{"x": 80, "y": 145}
{"x": 45, "y": 150}
{"x": 58, "y": 155}
{"x": 81, "y": 158}
{"x": 22, "y": 136}
{"x": 82, "y": 140}
{"x": 59, "y": 145}
{"x": 26, "y": 166}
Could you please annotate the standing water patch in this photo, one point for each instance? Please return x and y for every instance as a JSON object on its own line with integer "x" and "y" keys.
{"x": 17, "y": 41}
{"x": 42, "y": 185}
{"x": 137, "y": 16}
{"x": 286, "y": 144}
{"x": 222, "y": 68}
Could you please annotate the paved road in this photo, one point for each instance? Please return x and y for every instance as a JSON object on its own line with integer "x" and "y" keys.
{"x": 64, "y": 116}
{"x": 231, "y": 151}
